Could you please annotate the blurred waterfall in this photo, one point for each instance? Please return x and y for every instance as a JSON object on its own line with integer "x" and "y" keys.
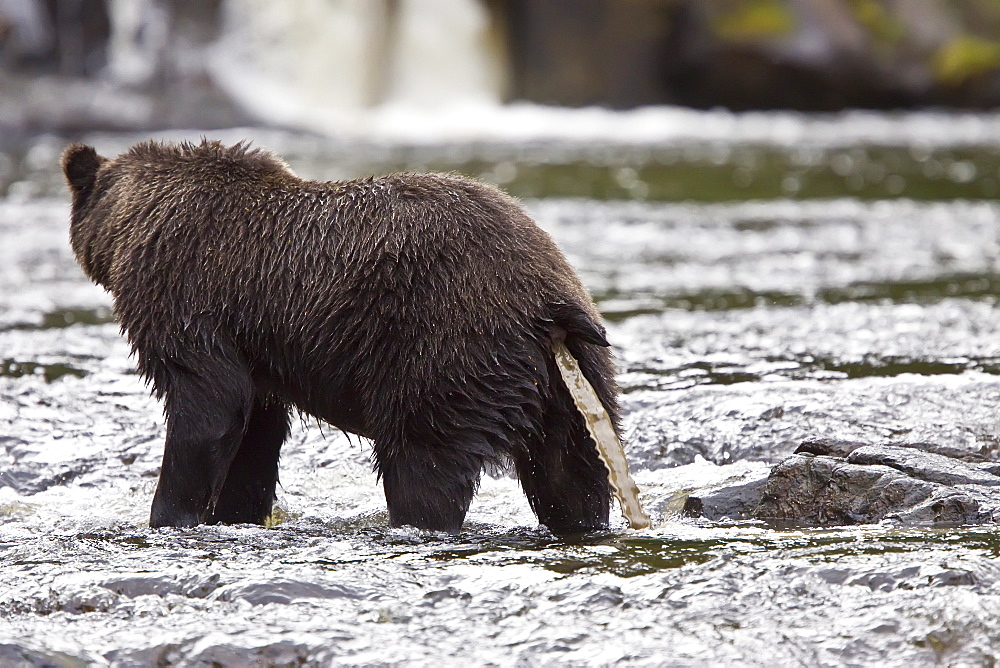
{"x": 317, "y": 63}
{"x": 140, "y": 35}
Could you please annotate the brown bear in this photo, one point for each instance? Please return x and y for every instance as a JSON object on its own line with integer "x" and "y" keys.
{"x": 416, "y": 310}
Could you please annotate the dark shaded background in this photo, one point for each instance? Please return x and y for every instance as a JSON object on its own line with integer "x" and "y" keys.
{"x": 57, "y": 70}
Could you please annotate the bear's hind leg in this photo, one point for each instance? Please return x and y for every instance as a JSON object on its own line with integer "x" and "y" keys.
{"x": 429, "y": 486}
{"x": 248, "y": 493}
{"x": 561, "y": 474}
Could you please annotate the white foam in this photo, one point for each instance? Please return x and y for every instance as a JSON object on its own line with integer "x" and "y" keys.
{"x": 472, "y": 120}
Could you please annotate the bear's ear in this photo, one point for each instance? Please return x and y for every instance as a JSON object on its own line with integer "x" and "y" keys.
{"x": 80, "y": 164}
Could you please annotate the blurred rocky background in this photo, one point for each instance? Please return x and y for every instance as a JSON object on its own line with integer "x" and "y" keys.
{"x": 69, "y": 65}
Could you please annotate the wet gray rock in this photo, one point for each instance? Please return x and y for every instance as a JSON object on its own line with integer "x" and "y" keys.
{"x": 928, "y": 466}
{"x": 829, "y": 490}
{"x": 841, "y": 448}
{"x": 863, "y": 484}
{"x": 731, "y": 502}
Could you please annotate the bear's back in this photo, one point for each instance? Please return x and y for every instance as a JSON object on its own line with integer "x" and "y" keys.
{"x": 399, "y": 268}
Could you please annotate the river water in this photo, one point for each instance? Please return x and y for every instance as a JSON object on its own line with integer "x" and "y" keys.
{"x": 766, "y": 279}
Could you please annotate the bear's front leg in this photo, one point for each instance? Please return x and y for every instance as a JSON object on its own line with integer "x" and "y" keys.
{"x": 207, "y": 403}
{"x": 560, "y": 472}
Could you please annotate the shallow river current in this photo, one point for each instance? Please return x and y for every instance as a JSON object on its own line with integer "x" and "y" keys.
{"x": 758, "y": 293}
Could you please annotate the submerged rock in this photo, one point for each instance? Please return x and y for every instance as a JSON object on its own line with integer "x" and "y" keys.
{"x": 836, "y": 483}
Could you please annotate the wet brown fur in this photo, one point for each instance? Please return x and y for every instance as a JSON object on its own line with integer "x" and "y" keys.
{"x": 417, "y": 310}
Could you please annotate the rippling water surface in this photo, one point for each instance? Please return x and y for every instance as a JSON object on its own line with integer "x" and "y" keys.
{"x": 758, "y": 294}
